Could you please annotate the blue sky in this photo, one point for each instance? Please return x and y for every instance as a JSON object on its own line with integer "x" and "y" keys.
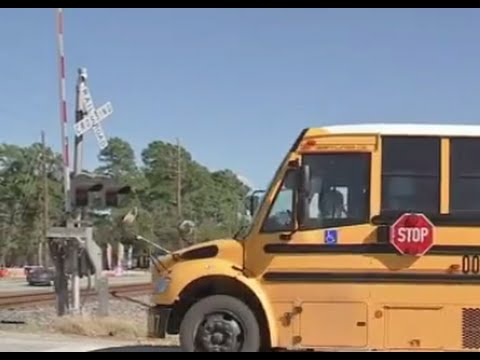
{"x": 237, "y": 86}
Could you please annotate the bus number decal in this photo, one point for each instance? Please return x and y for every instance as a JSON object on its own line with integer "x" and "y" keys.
{"x": 471, "y": 264}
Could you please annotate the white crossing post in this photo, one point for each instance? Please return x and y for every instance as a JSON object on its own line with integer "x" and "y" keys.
{"x": 89, "y": 118}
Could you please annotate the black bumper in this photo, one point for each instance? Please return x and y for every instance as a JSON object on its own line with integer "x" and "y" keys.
{"x": 158, "y": 318}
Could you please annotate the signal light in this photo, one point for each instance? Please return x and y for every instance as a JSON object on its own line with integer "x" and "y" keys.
{"x": 81, "y": 197}
{"x": 97, "y": 191}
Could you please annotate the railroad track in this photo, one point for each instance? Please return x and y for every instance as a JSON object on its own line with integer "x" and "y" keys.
{"x": 17, "y": 300}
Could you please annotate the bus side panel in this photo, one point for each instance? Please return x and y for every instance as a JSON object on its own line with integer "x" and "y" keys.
{"x": 413, "y": 327}
{"x": 320, "y": 315}
{"x": 287, "y": 326}
{"x": 334, "y": 324}
{"x": 424, "y": 317}
{"x": 377, "y": 316}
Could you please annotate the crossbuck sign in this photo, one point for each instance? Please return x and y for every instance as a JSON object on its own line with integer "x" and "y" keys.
{"x": 92, "y": 117}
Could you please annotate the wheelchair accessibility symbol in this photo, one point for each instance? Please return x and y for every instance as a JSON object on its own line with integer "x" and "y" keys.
{"x": 331, "y": 237}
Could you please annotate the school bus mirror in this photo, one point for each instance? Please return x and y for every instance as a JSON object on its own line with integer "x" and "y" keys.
{"x": 304, "y": 191}
{"x": 303, "y": 209}
{"x": 252, "y": 202}
{"x": 305, "y": 180}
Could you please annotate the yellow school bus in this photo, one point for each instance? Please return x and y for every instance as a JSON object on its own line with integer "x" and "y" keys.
{"x": 317, "y": 270}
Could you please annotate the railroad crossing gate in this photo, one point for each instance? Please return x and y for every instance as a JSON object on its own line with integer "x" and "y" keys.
{"x": 412, "y": 234}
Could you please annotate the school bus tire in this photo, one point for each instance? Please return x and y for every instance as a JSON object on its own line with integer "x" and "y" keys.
{"x": 220, "y": 323}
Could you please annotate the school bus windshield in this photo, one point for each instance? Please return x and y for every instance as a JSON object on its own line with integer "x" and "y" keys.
{"x": 339, "y": 193}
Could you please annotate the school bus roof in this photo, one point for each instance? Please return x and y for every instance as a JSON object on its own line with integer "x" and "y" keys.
{"x": 401, "y": 129}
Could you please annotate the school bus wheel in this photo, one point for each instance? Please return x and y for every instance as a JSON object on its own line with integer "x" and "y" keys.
{"x": 220, "y": 323}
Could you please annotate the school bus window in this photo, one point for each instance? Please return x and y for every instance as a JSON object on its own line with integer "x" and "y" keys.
{"x": 411, "y": 174}
{"x": 280, "y": 217}
{"x": 464, "y": 175}
{"x": 340, "y": 190}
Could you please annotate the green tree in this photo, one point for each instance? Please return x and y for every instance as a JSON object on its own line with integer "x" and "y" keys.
{"x": 118, "y": 161}
{"x": 21, "y": 183}
{"x": 213, "y": 200}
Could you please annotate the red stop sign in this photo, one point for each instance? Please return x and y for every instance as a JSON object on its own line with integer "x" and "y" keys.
{"x": 412, "y": 234}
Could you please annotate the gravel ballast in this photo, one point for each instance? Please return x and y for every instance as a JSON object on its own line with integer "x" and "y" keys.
{"x": 127, "y": 320}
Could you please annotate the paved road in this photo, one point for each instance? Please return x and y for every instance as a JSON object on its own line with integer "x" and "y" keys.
{"x": 12, "y": 342}
{"x": 136, "y": 348}
{"x": 18, "y": 342}
{"x": 20, "y": 285}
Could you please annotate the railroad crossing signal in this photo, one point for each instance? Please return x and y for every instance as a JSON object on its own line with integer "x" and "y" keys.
{"x": 412, "y": 234}
{"x": 97, "y": 191}
{"x": 93, "y": 117}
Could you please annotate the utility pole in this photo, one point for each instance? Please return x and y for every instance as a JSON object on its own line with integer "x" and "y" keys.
{"x": 42, "y": 260}
{"x": 179, "y": 189}
{"x": 88, "y": 118}
{"x": 79, "y": 114}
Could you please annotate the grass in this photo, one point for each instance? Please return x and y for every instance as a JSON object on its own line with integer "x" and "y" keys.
{"x": 99, "y": 327}
{"x": 111, "y": 327}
